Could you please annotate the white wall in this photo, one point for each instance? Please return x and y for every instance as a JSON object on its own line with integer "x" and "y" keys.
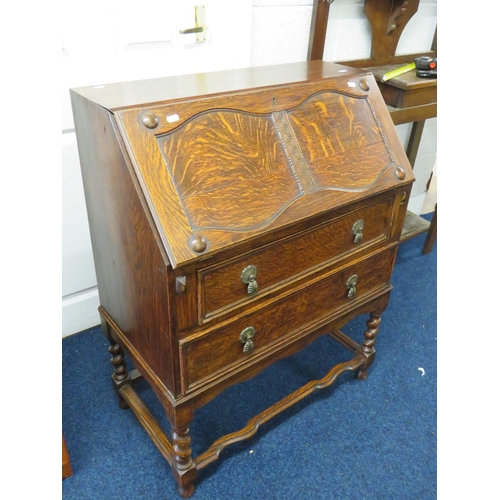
{"x": 279, "y": 34}
{"x": 124, "y": 43}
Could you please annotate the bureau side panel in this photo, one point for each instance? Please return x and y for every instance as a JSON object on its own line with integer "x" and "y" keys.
{"x": 131, "y": 269}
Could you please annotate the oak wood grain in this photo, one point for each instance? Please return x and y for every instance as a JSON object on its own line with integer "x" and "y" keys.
{"x": 221, "y": 286}
{"x": 147, "y": 92}
{"x": 131, "y": 265}
{"x": 190, "y": 179}
{"x": 377, "y": 301}
{"x": 226, "y": 159}
{"x": 355, "y": 155}
{"x": 209, "y": 353}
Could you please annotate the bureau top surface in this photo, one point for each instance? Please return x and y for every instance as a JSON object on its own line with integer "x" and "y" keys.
{"x": 115, "y": 96}
{"x": 226, "y": 159}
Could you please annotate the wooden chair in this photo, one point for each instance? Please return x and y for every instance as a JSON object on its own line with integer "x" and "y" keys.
{"x": 409, "y": 99}
{"x": 66, "y": 465}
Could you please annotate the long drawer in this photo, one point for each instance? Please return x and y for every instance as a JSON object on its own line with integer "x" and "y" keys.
{"x": 212, "y": 353}
{"x": 231, "y": 283}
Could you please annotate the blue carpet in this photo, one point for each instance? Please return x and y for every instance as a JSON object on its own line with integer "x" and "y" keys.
{"x": 366, "y": 440}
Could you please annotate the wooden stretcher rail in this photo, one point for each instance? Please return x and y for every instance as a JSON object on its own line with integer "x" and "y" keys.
{"x": 253, "y": 425}
{"x": 148, "y": 421}
{"x": 163, "y": 443}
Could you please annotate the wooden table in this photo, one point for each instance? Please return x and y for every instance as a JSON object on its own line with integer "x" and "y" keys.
{"x": 411, "y": 99}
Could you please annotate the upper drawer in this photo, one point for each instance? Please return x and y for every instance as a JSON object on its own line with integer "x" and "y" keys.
{"x": 230, "y": 283}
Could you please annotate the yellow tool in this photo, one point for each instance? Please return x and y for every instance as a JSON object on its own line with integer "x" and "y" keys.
{"x": 398, "y": 71}
{"x": 426, "y": 68}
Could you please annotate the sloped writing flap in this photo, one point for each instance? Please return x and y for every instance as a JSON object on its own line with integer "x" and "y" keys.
{"x": 222, "y": 170}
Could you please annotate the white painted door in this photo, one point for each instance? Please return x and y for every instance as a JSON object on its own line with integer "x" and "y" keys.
{"x": 105, "y": 41}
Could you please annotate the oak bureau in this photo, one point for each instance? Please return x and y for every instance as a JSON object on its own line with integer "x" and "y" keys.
{"x": 236, "y": 216}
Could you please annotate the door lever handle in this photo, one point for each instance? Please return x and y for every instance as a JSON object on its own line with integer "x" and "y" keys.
{"x": 199, "y": 24}
{"x": 199, "y": 29}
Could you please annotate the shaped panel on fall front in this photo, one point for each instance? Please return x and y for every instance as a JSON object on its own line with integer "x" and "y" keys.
{"x": 341, "y": 141}
{"x": 230, "y": 170}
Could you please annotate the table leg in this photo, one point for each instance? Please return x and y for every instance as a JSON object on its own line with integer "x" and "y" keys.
{"x": 368, "y": 347}
{"x": 183, "y": 467}
{"x": 120, "y": 374}
{"x": 431, "y": 233}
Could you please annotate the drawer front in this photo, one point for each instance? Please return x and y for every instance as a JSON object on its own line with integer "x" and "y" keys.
{"x": 211, "y": 354}
{"x": 223, "y": 286}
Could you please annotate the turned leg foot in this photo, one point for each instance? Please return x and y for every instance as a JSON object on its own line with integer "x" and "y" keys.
{"x": 184, "y": 467}
{"x": 186, "y": 492}
{"x": 120, "y": 373}
{"x": 367, "y": 348}
{"x": 361, "y": 374}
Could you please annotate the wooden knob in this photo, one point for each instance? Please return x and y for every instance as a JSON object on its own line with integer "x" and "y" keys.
{"x": 198, "y": 243}
{"x": 400, "y": 173}
{"x": 363, "y": 85}
{"x": 150, "y": 120}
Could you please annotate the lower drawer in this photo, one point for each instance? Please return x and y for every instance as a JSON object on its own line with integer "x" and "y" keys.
{"x": 210, "y": 354}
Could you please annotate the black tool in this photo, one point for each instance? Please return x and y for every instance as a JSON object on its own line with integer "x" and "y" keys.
{"x": 426, "y": 67}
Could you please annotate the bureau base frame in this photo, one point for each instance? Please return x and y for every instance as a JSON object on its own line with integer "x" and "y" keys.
{"x": 177, "y": 450}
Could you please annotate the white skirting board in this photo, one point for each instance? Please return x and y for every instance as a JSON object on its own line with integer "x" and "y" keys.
{"x": 79, "y": 311}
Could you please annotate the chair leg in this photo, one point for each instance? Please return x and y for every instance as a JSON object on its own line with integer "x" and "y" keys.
{"x": 431, "y": 234}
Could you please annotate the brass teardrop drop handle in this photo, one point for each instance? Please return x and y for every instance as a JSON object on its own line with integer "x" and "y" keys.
{"x": 351, "y": 286}
{"x": 357, "y": 230}
{"x": 248, "y": 276}
{"x": 246, "y": 337}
